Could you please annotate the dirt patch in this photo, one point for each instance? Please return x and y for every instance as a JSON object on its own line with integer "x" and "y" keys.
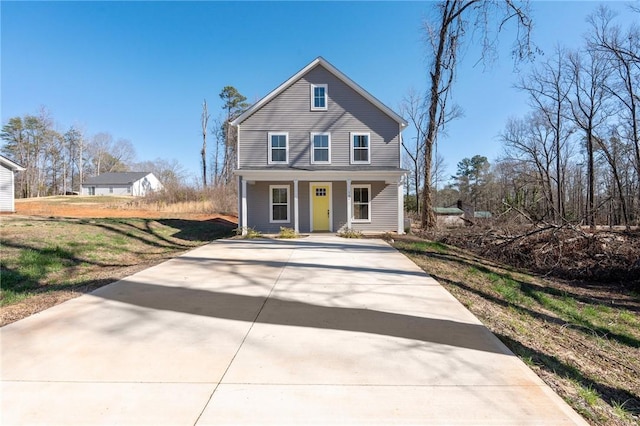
{"x": 115, "y": 208}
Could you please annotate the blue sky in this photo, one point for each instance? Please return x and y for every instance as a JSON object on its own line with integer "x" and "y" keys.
{"x": 140, "y": 70}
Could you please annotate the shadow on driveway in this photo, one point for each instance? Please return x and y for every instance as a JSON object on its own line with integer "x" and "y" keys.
{"x": 300, "y": 314}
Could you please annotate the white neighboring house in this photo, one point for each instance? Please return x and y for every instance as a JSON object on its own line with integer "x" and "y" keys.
{"x": 7, "y": 186}
{"x": 137, "y": 184}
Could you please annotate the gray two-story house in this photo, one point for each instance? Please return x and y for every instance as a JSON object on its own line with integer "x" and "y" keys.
{"x": 317, "y": 154}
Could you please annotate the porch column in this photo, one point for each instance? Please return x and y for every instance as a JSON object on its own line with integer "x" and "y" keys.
{"x": 401, "y": 206}
{"x": 349, "y": 213}
{"x": 243, "y": 221}
{"x": 296, "y": 219}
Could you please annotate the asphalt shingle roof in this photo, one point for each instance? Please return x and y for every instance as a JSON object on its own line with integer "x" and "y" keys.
{"x": 124, "y": 178}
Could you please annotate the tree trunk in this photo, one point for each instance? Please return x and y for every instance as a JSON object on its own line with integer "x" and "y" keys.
{"x": 416, "y": 172}
{"x": 203, "y": 152}
{"x": 427, "y": 216}
{"x": 560, "y": 213}
{"x": 591, "y": 178}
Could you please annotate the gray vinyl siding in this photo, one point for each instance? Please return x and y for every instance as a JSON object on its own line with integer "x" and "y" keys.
{"x": 258, "y": 207}
{"x": 339, "y": 205}
{"x": 384, "y": 207}
{"x": 347, "y": 112}
{"x": 104, "y": 190}
{"x": 304, "y": 201}
{"x": 6, "y": 190}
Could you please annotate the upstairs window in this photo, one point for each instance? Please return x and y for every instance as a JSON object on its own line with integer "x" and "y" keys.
{"x": 320, "y": 148}
{"x": 360, "y": 148}
{"x": 318, "y": 97}
{"x": 278, "y": 148}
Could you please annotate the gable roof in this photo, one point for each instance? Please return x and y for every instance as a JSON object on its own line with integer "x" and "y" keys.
{"x": 333, "y": 70}
{"x": 446, "y": 211}
{"x": 10, "y": 164}
{"x": 124, "y": 178}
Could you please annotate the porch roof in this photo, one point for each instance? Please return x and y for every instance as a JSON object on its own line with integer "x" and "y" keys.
{"x": 387, "y": 174}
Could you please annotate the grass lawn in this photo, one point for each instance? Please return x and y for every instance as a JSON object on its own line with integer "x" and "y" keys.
{"x": 583, "y": 339}
{"x": 48, "y": 260}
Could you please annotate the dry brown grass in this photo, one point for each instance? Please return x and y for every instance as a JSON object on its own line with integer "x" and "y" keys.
{"x": 181, "y": 200}
{"x": 581, "y": 338}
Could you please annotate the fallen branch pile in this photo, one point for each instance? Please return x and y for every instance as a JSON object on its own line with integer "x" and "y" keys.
{"x": 562, "y": 251}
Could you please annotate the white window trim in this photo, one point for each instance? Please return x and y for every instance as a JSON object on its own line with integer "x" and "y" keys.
{"x": 351, "y": 149}
{"x": 271, "y": 188}
{"x": 353, "y": 203}
{"x": 313, "y": 149}
{"x": 326, "y": 97}
{"x": 270, "y": 150}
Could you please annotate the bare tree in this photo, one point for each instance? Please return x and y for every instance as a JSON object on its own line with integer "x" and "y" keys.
{"x": 624, "y": 52}
{"x": 529, "y": 150}
{"x": 122, "y": 155}
{"x": 74, "y": 142}
{"x": 217, "y": 130}
{"x": 98, "y": 149}
{"x": 589, "y": 110}
{"x": 204, "y": 121}
{"x": 412, "y": 108}
{"x": 549, "y": 87}
{"x": 109, "y": 156}
{"x": 622, "y": 49}
{"x": 234, "y": 104}
{"x": 169, "y": 172}
{"x": 53, "y": 159}
{"x": 445, "y": 33}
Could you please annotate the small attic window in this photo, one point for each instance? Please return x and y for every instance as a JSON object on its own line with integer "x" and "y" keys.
{"x": 318, "y": 97}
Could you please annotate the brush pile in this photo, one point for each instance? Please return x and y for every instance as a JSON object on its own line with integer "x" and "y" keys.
{"x": 562, "y": 251}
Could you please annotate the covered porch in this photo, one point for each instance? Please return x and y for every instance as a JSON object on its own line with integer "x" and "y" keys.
{"x": 321, "y": 200}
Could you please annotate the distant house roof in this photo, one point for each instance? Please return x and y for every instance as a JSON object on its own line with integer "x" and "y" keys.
{"x": 482, "y": 214}
{"x": 333, "y": 70}
{"x": 13, "y": 166}
{"x": 124, "y": 178}
{"x": 447, "y": 211}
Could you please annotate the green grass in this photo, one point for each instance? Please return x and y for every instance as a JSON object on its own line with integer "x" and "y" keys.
{"x": 21, "y": 277}
{"x": 589, "y": 395}
{"x": 620, "y": 410}
{"x": 628, "y": 318}
{"x": 430, "y": 246}
{"x": 51, "y": 255}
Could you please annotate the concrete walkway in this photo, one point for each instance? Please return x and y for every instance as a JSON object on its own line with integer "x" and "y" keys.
{"x": 318, "y": 330}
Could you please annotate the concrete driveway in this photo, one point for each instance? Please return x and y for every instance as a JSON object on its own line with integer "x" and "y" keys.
{"x": 317, "y": 330}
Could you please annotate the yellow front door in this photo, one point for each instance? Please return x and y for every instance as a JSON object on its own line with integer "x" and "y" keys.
{"x": 320, "y": 196}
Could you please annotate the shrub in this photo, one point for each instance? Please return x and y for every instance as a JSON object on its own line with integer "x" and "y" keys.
{"x": 287, "y": 233}
{"x": 346, "y": 232}
{"x": 251, "y": 233}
